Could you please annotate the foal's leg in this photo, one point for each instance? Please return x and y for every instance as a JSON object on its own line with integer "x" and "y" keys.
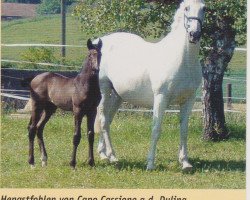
{"x": 90, "y": 126}
{"x": 158, "y": 112}
{"x": 185, "y": 111}
{"x": 35, "y": 117}
{"x": 78, "y": 115}
{"x": 48, "y": 111}
{"x": 115, "y": 102}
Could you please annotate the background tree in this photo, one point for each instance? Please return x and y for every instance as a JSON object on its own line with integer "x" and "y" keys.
{"x": 137, "y": 16}
{"x": 224, "y": 28}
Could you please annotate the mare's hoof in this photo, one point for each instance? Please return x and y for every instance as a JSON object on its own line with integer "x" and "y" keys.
{"x": 103, "y": 156}
{"x": 150, "y": 167}
{"x": 113, "y": 159}
{"x": 44, "y": 163}
{"x": 187, "y": 167}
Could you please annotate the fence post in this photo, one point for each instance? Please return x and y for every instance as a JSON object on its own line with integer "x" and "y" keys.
{"x": 229, "y": 96}
{"x": 63, "y": 16}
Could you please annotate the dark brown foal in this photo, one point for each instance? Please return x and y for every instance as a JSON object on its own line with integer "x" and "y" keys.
{"x": 81, "y": 95}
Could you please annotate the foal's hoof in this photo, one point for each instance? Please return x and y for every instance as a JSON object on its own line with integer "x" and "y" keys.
{"x": 72, "y": 164}
{"x": 32, "y": 166}
{"x": 91, "y": 163}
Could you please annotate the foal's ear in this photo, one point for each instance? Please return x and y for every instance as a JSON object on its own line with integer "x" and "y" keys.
{"x": 90, "y": 44}
{"x": 99, "y": 45}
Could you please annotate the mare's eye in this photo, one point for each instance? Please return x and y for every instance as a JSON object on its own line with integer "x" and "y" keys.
{"x": 187, "y": 8}
{"x": 204, "y": 9}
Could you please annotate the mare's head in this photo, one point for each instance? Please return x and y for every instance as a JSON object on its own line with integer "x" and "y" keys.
{"x": 194, "y": 11}
{"x": 94, "y": 55}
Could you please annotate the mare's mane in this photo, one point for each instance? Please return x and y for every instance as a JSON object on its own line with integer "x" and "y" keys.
{"x": 178, "y": 17}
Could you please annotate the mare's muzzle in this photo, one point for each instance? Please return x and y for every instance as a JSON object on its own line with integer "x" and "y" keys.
{"x": 194, "y": 36}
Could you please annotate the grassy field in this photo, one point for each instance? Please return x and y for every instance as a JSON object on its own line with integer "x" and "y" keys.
{"x": 216, "y": 165}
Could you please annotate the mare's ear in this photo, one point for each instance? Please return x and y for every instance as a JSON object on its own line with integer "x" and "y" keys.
{"x": 89, "y": 44}
{"x": 99, "y": 45}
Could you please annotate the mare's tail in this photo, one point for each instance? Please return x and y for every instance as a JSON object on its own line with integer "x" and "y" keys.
{"x": 26, "y": 81}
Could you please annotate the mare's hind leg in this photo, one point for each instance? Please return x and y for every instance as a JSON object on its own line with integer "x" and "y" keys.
{"x": 107, "y": 109}
{"x": 48, "y": 112}
{"x": 90, "y": 126}
{"x": 78, "y": 115}
{"x": 35, "y": 117}
{"x": 185, "y": 111}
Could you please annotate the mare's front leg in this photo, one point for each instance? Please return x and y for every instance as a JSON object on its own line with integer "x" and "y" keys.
{"x": 90, "y": 126}
{"x": 78, "y": 115}
{"x": 185, "y": 111}
{"x": 158, "y": 112}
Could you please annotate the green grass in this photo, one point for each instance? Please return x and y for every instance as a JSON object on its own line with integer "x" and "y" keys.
{"x": 217, "y": 165}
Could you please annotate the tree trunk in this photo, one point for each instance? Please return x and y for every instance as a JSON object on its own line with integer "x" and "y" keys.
{"x": 214, "y": 66}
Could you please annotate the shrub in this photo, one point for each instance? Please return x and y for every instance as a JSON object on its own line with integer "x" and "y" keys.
{"x": 38, "y": 54}
{"x": 49, "y": 7}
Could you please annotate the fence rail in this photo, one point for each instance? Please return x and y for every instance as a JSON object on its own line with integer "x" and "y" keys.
{"x": 123, "y": 109}
{"x": 69, "y": 45}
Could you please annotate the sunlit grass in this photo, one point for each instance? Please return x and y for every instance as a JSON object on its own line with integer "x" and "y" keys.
{"x": 216, "y": 165}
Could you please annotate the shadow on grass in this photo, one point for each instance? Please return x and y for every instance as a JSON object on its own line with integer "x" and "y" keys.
{"x": 218, "y": 165}
{"x": 237, "y": 132}
{"x": 124, "y": 164}
{"x": 198, "y": 165}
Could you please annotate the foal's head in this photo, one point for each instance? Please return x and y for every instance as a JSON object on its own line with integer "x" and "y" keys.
{"x": 94, "y": 55}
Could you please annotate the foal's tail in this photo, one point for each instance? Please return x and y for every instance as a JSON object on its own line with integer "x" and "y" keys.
{"x": 26, "y": 81}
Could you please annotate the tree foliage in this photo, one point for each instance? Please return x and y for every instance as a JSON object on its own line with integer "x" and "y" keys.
{"x": 152, "y": 18}
{"x": 233, "y": 12}
{"x": 137, "y": 16}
